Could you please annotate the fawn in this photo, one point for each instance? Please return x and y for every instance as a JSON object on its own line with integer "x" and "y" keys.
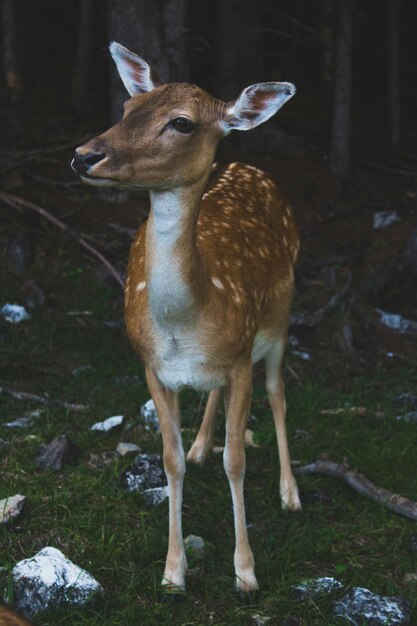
{"x": 210, "y": 278}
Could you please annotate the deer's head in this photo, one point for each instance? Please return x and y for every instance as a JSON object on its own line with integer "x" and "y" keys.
{"x": 168, "y": 135}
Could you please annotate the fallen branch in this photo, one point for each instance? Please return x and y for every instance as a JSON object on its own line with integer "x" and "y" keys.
{"x": 22, "y": 395}
{"x": 16, "y": 202}
{"x": 386, "y": 168}
{"x": 312, "y": 319}
{"x": 359, "y": 482}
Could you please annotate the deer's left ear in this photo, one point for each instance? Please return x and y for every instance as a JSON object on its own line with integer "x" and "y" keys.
{"x": 137, "y": 76}
{"x": 256, "y": 104}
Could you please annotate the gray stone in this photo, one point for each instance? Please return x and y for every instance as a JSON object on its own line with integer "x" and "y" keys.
{"x": 194, "y": 547}
{"x": 26, "y": 420}
{"x": 299, "y": 433}
{"x": 82, "y": 369}
{"x": 408, "y": 417}
{"x": 395, "y": 321}
{"x": 258, "y": 619}
{"x": 49, "y": 580}
{"x": 14, "y": 313}
{"x": 301, "y": 354}
{"x": 126, "y": 449}
{"x": 407, "y": 399}
{"x": 150, "y": 416}
{"x": 382, "y": 219}
{"x": 317, "y": 586}
{"x": 20, "y": 422}
{"x": 59, "y": 452}
{"x": 145, "y": 473}
{"x": 102, "y": 459}
{"x": 154, "y": 497}
{"x": 11, "y": 509}
{"x": 108, "y": 424}
{"x": 361, "y": 607}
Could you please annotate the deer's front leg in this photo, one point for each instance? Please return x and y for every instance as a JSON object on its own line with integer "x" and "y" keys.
{"x": 238, "y": 395}
{"x": 166, "y": 403}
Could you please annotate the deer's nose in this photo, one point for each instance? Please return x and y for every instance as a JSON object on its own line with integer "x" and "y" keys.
{"x": 82, "y": 163}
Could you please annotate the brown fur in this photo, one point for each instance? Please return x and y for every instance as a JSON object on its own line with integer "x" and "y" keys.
{"x": 241, "y": 224}
{"x": 8, "y": 617}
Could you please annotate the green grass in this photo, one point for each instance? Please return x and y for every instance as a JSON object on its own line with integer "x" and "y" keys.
{"x": 84, "y": 512}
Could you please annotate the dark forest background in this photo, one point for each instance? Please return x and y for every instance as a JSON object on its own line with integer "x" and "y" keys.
{"x": 344, "y": 148}
{"x": 338, "y": 53}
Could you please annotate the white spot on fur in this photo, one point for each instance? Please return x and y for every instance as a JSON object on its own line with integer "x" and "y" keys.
{"x": 141, "y": 286}
{"x": 217, "y": 283}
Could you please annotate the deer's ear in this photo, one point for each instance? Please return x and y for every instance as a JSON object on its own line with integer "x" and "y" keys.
{"x": 256, "y": 104}
{"x": 137, "y": 76}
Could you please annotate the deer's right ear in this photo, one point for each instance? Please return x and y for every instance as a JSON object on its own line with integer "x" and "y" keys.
{"x": 137, "y": 76}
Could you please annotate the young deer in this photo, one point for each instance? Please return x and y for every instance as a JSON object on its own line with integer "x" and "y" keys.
{"x": 210, "y": 278}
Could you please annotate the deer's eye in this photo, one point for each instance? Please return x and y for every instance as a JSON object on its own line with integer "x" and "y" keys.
{"x": 182, "y": 125}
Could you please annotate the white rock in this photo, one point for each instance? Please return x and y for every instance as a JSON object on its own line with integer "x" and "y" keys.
{"x": 408, "y": 417}
{"x": 26, "y": 420}
{"x": 395, "y": 321}
{"x": 108, "y": 424}
{"x": 126, "y": 449}
{"x": 317, "y": 586}
{"x": 12, "y": 508}
{"x": 249, "y": 439}
{"x": 14, "y": 313}
{"x": 301, "y": 354}
{"x": 155, "y": 496}
{"x": 48, "y": 580}
{"x": 20, "y": 422}
{"x": 360, "y": 607}
{"x": 146, "y": 473}
{"x": 150, "y": 416}
{"x": 382, "y": 219}
{"x": 260, "y": 620}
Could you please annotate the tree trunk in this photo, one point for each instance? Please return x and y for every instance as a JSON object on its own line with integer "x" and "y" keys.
{"x": 340, "y": 156}
{"x": 327, "y": 40}
{"x": 237, "y": 54}
{"x": 83, "y": 91}
{"x": 10, "y": 49}
{"x": 154, "y": 30}
{"x": 394, "y": 10}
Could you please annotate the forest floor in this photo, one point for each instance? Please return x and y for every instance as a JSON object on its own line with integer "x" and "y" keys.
{"x": 350, "y": 360}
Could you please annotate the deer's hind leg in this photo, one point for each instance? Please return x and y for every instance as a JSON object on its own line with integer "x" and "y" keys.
{"x": 276, "y": 394}
{"x": 203, "y": 443}
{"x": 238, "y": 398}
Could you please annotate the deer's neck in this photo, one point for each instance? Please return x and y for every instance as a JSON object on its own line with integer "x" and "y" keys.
{"x": 175, "y": 273}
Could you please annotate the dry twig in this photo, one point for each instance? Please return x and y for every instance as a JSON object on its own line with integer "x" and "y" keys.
{"x": 312, "y": 319}
{"x": 16, "y": 202}
{"x": 24, "y": 396}
{"x": 359, "y": 482}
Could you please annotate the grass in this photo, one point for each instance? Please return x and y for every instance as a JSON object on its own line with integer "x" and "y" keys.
{"x": 84, "y": 512}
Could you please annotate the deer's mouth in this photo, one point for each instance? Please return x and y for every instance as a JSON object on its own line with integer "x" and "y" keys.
{"x": 96, "y": 181}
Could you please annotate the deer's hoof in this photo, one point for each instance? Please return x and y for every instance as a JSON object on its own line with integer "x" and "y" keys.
{"x": 248, "y": 598}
